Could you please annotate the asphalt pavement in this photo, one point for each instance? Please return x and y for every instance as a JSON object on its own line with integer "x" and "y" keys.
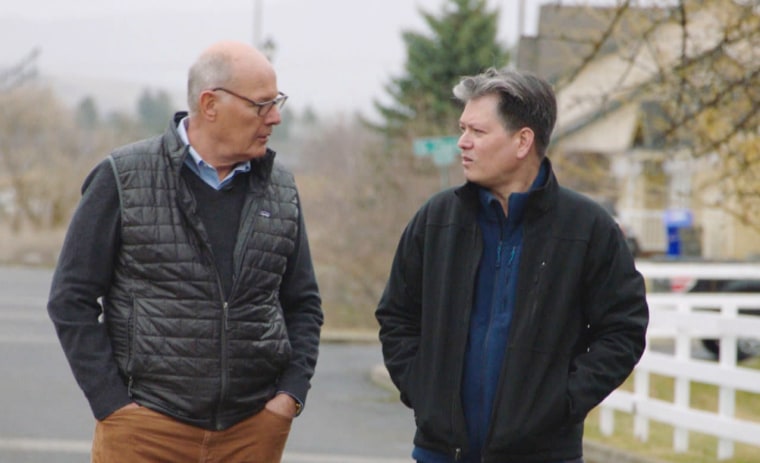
{"x": 352, "y": 414}
{"x": 44, "y": 417}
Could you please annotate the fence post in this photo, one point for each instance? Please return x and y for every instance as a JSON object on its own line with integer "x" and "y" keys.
{"x": 607, "y": 420}
{"x": 641, "y": 393}
{"x": 682, "y": 392}
{"x": 726, "y": 394}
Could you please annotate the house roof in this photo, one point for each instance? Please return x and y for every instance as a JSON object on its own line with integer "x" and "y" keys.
{"x": 622, "y": 72}
{"x": 568, "y": 34}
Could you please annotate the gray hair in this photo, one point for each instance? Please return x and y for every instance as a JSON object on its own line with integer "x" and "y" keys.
{"x": 211, "y": 70}
{"x": 525, "y": 100}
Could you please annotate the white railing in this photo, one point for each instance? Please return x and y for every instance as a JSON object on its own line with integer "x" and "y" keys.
{"x": 678, "y": 317}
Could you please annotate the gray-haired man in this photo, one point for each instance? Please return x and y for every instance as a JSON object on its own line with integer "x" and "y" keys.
{"x": 513, "y": 306}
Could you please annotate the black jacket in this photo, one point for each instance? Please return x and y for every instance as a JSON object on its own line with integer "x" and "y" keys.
{"x": 174, "y": 338}
{"x": 578, "y": 328}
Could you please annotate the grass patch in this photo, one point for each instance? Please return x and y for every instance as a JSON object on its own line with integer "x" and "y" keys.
{"x": 659, "y": 446}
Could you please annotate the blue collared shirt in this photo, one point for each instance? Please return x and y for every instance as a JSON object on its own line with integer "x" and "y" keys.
{"x": 204, "y": 170}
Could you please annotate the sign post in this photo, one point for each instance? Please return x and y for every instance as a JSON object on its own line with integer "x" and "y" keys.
{"x": 443, "y": 151}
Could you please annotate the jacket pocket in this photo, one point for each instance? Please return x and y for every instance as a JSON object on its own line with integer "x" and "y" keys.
{"x": 537, "y": 404}
{"x": 258, "y": 340}
{"x": 131, "y": 338}
{"x": 409, "y": 382}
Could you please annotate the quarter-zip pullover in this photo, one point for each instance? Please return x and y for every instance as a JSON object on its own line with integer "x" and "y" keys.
{"x": 491, "y": 317}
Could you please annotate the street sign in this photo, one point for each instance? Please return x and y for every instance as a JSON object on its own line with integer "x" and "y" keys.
{"x": 443, "y": 150}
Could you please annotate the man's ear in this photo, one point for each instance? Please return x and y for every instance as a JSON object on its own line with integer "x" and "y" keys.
{"x": 207, "y": 105}
{"x": 525, "y": 144}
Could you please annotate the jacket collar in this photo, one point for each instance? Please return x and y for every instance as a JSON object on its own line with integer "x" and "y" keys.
{"x": 261, "y": 168}
{"x": 539, "y": 200}
{"x": 544, "y": 196}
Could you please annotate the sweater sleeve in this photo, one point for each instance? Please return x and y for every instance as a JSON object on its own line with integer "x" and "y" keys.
{"x": 302, "y": 307}
{"x": 82, "y": 276}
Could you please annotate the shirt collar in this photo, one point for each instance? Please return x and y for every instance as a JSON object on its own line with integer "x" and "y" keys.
{"x": 490, "y": 203}
{"x": 203, "y": 169}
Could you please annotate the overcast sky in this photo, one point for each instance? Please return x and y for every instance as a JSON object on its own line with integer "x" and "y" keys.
{"x": 334, "y": 55}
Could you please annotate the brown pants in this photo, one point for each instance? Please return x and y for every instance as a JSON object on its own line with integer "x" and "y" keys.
{"x": 142, "y": 435}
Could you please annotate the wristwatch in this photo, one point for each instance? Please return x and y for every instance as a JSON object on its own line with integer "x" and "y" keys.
{"x": 299, "y": 407}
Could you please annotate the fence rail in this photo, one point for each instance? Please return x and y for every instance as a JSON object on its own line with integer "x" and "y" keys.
{"x": 684, "y": 318}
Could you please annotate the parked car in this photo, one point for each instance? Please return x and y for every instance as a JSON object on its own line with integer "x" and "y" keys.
{"x": 745, "y": 347}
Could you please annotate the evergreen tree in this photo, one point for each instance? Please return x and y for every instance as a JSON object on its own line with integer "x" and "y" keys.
{"x": 282, "y": 133}
{"x": 87, "y": 116}
{"x": 463, "y": 42}
{"x": 154, "y": 111}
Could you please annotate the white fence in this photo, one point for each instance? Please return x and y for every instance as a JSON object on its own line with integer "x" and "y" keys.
{"x": 677, "y": 317}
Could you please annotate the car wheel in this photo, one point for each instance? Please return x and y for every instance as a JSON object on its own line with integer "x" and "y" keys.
{"x": 745, "y": 347}
{"x": 712, "y": 346}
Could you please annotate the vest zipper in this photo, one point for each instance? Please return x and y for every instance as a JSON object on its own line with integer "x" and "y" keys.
{"x": 223, "y": 373}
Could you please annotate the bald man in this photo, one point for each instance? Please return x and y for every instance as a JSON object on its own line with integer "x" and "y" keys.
{"x": 184, "y": 297}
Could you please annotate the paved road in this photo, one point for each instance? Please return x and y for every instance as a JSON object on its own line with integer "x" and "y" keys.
{"x": 44, "y": 417}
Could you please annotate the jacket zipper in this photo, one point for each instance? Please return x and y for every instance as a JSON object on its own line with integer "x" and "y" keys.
{"x": 223, "y": 347}
{"x": 494, "y": 304}
{"x": 472, "y": 271}
{"x": 483, "y": 410}
{"x": 222, "y": 339}
{"x": 492, "y": 415}
{"x": 536, "y": 284}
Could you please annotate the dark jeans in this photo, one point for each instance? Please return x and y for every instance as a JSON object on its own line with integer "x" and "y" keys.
{"x": 577, "y": 460}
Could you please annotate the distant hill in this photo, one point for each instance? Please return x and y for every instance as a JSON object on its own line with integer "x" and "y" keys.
{"x": 109, "y": 95}
{"x": 85, "y": 57}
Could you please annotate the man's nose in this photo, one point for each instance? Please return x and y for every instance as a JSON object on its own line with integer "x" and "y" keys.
{"x": 274, "y": 116}
{"x": 464, "y": 141}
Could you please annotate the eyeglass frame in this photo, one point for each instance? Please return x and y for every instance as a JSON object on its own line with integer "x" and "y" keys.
{"x": 278, "y": 101}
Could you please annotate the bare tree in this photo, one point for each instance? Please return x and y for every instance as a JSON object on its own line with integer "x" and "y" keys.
{"x": 44, "y": 156}
{"x": 23, "y": 71}
{"x": 357, "y": 199}
{"x": 36, "y": 155}
{"x": 692, "y": 67}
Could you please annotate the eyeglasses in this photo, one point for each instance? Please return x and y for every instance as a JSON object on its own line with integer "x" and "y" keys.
{"x": 264, "y": 106}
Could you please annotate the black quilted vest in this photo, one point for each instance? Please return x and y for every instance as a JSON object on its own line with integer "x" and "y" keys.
{"x": 185, "y": 350}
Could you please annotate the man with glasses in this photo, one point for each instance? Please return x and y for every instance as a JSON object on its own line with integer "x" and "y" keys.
{"x": 184, "y": 296}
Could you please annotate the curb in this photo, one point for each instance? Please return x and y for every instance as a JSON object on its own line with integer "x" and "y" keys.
{"x": 593, "y": 452}
{"x": 349, "y": 336}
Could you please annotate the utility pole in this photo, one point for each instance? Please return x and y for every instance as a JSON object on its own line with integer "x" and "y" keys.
{"x": 266, "y": 46}
{"x": 257, "y": 20}
{"x": 520, "y": 19}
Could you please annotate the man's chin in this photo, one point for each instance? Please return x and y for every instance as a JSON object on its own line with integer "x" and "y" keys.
{"x": 470, "y": 176}
{"x": 257, "y": 153}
